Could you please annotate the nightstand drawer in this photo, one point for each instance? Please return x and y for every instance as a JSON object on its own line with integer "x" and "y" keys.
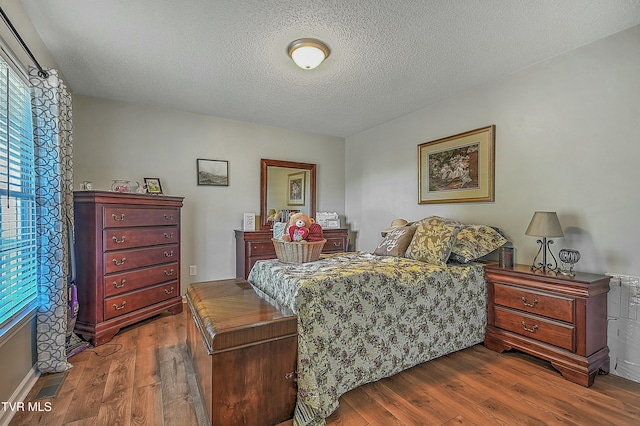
{"x": 535, "y": 327}
{"x": 548, "y": 305}
{"x": 334, "y": 245}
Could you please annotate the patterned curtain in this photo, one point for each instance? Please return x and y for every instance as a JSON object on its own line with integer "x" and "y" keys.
{"x": 52, "y": 131}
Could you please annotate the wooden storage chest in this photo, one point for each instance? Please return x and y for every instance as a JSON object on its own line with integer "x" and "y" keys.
{"x": 244, "y": 354}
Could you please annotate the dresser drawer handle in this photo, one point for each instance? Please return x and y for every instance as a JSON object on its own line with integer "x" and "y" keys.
{"x": 122, "y": 283}
{"x": 168, "y": 274}
{"x": 168, "y": 236}
{"x": 170, "y": 254}
{"x": 168, "y": 216}
{"x": 337, "y": 244}
{"x": 168, "y": 291}
{"x": 119, "y": 219}
{"x": 118, "y": 308}
{"x": 530, "y": 330}
{"x": 531, "y": 305}
{"x": 119, "y": 241}
{"x": 119, "y": 262}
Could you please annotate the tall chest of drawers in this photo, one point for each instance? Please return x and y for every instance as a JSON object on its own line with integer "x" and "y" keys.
{"x": 558, "y": 318}
{"x": 127, "y": 249}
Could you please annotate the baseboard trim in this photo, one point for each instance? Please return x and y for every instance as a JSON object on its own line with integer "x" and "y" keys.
{"x": 20, "y": 394}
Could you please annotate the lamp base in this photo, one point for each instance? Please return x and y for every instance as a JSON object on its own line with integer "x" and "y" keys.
{"x": 544, "y": 266}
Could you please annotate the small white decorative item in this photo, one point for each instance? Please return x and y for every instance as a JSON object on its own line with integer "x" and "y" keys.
{"x": 141, "y": 189}
{"x": 249, "y": 222}
{"x": 328, "y": 220}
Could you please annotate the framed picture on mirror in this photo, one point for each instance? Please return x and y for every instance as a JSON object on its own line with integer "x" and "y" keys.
{"x": 295, "y": 189}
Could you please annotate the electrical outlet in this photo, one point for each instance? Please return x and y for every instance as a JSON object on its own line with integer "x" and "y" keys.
{"x": 193, "y": 270}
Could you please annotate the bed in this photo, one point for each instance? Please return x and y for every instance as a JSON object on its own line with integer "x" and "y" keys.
{"x": 365, "y": 316}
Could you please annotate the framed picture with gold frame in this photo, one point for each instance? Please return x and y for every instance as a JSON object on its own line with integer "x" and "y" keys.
{"x": 458, "y": 169}
{"x": 296, "y": 189}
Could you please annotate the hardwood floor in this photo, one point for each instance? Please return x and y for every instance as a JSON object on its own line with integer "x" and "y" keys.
{"x": 145, "y": 377}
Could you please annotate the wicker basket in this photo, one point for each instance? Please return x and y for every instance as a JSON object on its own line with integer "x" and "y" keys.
{"x": 292, "y": 252}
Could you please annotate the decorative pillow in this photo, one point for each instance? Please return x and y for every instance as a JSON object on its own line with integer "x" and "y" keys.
{"x": 436, "y": 219}
{"x": 395, "y": 242}
{"x": 475, "y": 241}
{"x": 432, "y": 241}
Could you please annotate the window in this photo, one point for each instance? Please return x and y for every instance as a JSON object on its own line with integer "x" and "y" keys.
{"x": 18, "y": 251}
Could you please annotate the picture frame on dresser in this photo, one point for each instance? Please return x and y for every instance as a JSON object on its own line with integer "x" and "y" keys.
{"x": 153, "y": 186}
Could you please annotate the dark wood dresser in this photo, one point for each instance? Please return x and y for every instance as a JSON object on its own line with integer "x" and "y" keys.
{"x": 558, "y": 318}
{"x": 127, "y": 250}
{"x": 252, "y": 246}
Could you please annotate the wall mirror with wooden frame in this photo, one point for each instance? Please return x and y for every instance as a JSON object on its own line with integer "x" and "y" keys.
{"x": 286, "y": 185}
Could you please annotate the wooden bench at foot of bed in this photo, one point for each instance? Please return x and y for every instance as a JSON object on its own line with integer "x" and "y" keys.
{"x": 244, "y": 354}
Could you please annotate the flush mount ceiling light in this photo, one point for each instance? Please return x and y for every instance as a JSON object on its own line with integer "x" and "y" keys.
{"x": 308, "y": 53}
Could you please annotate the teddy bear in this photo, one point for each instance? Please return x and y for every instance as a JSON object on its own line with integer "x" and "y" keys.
{"x": 302, "y": 228}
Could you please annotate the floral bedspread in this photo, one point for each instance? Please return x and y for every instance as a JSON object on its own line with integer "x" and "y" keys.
{"x": 362, "y": 317}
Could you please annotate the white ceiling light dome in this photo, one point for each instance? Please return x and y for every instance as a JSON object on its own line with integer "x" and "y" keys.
{"x": 308, "y": 53}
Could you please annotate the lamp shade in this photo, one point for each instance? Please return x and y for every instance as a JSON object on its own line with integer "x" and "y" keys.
{"x": 544, "y": 224}
{"x": 308, "y": 53}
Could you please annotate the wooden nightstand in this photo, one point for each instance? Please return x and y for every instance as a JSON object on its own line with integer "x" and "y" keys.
{"x": 554, "y": 317}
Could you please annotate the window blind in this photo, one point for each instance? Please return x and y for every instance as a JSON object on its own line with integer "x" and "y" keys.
{"x": 18, "y": 249}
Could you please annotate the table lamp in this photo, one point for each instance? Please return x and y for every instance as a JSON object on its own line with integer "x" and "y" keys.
{"x": 544, "y": 224}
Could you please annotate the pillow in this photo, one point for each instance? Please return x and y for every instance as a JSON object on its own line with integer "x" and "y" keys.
{"x": 436, "y": 219}
{"x": 396, "y": 241}
{"x": 475, "y": 241}
{"x": 432, "y": 241}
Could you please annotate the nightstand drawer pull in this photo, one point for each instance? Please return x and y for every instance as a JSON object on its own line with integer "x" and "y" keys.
{"x": 531, "y": 305}
{"x": 168, "y": 235}
{"x": 168, "y": 273}
{"x": 121, "y": 218}
{"x": 122, "y": 282}
{"x": 169, "y": 291}
{"x": 530, "y": 330}
{"x": 119, "y": 262}
{"x": 168, "y": 216}
{"x": 117, "y": 241}
{"x": 169, "y": 254}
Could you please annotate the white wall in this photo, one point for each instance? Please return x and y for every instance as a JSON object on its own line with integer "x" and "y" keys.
{"x": 115, "y": 140}
{"x": 567, "y": 140}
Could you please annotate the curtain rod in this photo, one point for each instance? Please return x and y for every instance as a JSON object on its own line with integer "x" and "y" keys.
{"x": 41, "y": 72}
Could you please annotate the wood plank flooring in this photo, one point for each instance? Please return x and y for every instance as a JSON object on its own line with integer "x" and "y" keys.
{"x": 144, "y": 377}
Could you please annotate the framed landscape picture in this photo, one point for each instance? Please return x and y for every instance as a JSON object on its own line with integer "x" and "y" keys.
{"x": 457, "y": 169}
{"x": 213, "y": 172}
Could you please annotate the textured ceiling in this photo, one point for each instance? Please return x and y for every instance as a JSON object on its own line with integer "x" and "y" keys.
{"x": 227, "y": 58}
